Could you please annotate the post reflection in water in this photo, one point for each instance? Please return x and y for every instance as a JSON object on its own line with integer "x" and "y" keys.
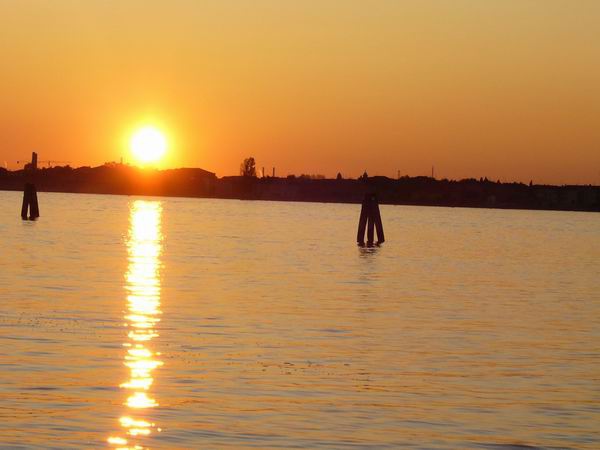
{"x": 142, "y": 315}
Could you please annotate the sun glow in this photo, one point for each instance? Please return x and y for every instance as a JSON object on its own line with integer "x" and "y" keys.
{"x": 148, "y": 145}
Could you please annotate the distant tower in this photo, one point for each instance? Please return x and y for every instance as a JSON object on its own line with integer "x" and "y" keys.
{"x": 33, "y": 164}
{"x": 273, "y": 172}
{"x": 432, "y": 175}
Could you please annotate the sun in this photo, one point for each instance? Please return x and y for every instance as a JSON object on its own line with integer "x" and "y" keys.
{"x": 148, "y": 145}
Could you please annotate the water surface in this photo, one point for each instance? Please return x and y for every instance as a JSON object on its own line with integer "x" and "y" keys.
{"x": 196, "y": 323}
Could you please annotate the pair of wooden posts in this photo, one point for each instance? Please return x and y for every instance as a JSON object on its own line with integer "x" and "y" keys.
{"x": 30, "y": 202}
{"x": 370, "y": 218}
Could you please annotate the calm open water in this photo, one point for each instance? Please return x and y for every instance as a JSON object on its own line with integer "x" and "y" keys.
{"x": 132, "y": 322}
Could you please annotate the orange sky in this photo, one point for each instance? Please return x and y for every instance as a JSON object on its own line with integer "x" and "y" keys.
{"x": 507, "y": 89}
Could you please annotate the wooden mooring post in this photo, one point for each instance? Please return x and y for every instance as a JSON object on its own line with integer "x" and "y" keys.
{"x": 370, "y": 218}
{"x": 30, "y": 202}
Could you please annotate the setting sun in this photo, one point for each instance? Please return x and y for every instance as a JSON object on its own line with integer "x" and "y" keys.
{"x": 148, "y": 145}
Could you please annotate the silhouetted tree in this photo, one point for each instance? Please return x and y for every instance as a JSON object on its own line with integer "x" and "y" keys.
{"x": 248, "y": 167}
{"x": 339, "y": 176}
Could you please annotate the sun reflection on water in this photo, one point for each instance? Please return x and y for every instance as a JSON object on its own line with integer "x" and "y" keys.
{"x": 144, "y": 247}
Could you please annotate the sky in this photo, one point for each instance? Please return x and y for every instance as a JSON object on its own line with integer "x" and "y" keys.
{"x": 504, "y": 89}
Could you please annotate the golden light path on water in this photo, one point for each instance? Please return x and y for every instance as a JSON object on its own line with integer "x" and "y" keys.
{"x": 144, "y": 247}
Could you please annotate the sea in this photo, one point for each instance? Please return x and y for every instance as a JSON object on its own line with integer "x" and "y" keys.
{"x": 179, "y": 323}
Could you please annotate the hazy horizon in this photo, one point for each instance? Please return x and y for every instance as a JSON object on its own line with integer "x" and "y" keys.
{"x": 315, "y": 175}
{"x": 500, "y": 89}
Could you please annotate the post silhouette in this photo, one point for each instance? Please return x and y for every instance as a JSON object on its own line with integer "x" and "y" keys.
{"x": 370, "y": 218}
{"x": 30, "y": 202}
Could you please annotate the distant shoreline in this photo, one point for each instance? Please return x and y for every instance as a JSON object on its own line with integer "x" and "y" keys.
{"x": 117, "y": 179}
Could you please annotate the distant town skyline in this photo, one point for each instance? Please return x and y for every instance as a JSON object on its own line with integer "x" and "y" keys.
{"x": 500, "y": 89}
